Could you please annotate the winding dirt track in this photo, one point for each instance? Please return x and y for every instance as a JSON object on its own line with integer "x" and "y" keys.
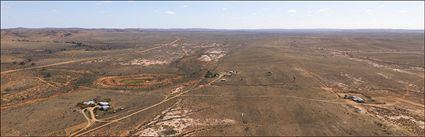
{"x": 81, "y": 60}
{"x": 168, "y": 44}
{"x": 93, "y": 118}
{"x": 45, "y": 82}
{"x": 90, "y": 120}
{"x": 144, "y": 109}
{"x": 48, "y": 65}
{"x": 333, "y": 101}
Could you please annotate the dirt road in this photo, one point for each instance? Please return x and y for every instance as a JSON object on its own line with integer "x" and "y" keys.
{"x": 152, "y": 106}
{"x": 163, "y": 45}
{"x": 334, "y": 101}
{"x": 48, "y": 65}
{"x": 81, "y": 60}
{"x": 45, "y": 82}
{"x": 90, "y": 120}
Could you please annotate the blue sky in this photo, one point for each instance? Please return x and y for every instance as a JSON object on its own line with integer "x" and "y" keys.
{"x": 217, "y": 15}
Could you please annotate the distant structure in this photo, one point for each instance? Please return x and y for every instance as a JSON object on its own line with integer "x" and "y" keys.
{"x": 355, "y": 98}
{"x": 230, "y": 73}
{"x": 89, "y": 103}
{"x": 269, "y": 73}
{"x": 102, "y": 105}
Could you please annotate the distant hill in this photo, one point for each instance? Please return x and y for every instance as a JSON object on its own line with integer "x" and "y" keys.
{"x": 61, "y": 33}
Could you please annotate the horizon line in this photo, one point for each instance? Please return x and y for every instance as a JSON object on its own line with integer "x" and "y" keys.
{"x": 215, "y": 28}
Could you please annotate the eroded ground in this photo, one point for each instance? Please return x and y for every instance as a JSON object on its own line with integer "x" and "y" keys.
{"x": 211, "y": 83}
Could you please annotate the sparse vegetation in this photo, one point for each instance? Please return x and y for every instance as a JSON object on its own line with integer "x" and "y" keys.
{"x": 47, "y": 75}
{"x": 169, "y": 132}
{"x": 133, "y": 81}
{"x": 210, "y": 74}
{"x": 283, "y": 83}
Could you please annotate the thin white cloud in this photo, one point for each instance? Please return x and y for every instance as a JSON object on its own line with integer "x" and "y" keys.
{"x": 292, "y": 10}
{"x": 402, "y": 11}
{"x": 271, "y": 16}
{"x": 381, "y": 6}
{"x": 54, "y": 10}
{"x": 170, "y": 12}
{"x": 368, "y": 10}
{"x": 183, "y": 6}
{"x": 223, "y": 9}
{"x": 254, "y": 13}
{"x": 323, "y": 10}
{"x": 107, "y": 1}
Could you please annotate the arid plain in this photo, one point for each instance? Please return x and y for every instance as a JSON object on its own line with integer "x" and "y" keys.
{"x": 135, "y": 82}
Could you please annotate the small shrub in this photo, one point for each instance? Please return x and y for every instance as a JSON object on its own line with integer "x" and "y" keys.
{"x": 49, "y": 51}
{"x": 211, "y": 74}
{"x": 47, "y": 75}
{"x": 169, "y": 132}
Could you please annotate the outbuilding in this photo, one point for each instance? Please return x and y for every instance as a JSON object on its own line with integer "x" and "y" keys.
{"x": 103, "y": 103}
{"x": 104, "y": 107}
{"x": 357, "y": 99}
{"x": 90, "y": 102}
